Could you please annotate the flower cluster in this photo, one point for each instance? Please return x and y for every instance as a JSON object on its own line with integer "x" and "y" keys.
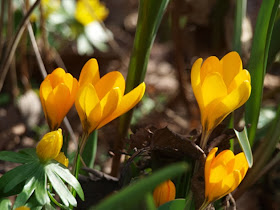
{"x": 220, "y": 87}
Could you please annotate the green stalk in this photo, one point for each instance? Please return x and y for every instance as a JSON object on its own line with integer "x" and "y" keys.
{"x": 149, "y": 17}
{"x": 239, "y": 16}
{"x": 258, "y": 62}
{"x": 89, "y": 152}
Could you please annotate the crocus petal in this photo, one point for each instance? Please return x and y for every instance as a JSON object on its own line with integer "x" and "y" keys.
{"x": 55, "y": 105}
{"x": 56, "y": 77}
{"x": 89, "y": 73}
{"x": 213, "y": 88}
{"x": 127, "y": 102}
{"x": 210, "y": 65}
{"x": 232, "y": 65}
{"x": 229, "y": 103}
{"x": 195, "y": 80}
{"x": 86, "y": 101}
{"x": 225, "y": 158}
{"x": 240, "y": 77}
{"x": 209, "y": 160}
{"x": 241, "y": 164}
{"x": 108, "y": 82}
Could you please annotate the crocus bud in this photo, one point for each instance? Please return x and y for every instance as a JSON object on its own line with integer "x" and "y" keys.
{"x": 57, "y": 93}
{"x": 223, "y": 173}
{"x": 101, "y": 100}
{"x": 50, "y": 145}
{"x": 61, "y": 158}
{"x": 165, "y": 192}
{"x": 220, "y": 87}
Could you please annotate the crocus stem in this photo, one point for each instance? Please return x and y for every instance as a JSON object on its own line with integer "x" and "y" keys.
{"x": 76, "y": 167}
{"x": 204, "y": 138}
{"x": 204, "y": 205}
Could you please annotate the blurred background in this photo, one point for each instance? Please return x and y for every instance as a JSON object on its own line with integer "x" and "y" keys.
{"x": 66, "y": 33}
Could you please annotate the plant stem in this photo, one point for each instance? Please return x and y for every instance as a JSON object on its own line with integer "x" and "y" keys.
{"x": 77, "y": 162}
{"x": 204, "y": 205}
{"x": 204, "y": 138}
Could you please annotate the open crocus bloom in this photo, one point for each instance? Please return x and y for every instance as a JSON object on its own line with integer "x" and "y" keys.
{"x": 223, "y": 173}
{"x": 101, "y": 100}
{"x": 220, "y": 87}
{"x": 57, "y": 94}
{"x": 164, "y": 193}
{"x": 50, "y": 145}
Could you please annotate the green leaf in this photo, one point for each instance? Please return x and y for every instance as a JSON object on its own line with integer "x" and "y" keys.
{"x": 275, "y": 42}
{"x": 239, "y": 16}
{"x": 134, "y": 193}
{"x": 150, "y": 15}
{"x": 17, "y": 175}
{"x": 258, "y": 62}
{"x": 5, "y": 204}
{"x": 66, "y": 175}
{"x": 41, "y": 186}
{"x": 27, "y": 191}
{"x": 15, "y": 157}
{"x": 60, "y": 188}
{"x": 175, "y": 204}
{"x": 245, "y": 145}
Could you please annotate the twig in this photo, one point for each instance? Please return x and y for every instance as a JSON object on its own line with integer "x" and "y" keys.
{"x": 1, "y": 26}
{"x": 9, "y": 56}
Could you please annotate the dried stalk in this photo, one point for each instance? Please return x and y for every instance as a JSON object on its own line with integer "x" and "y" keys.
{"x": 12, "y": 48}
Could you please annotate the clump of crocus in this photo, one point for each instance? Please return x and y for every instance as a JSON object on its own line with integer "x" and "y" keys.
{"x": 57, "y": 94}
{"x": 223, "y": 174}
{"x": 61, "y": 158}
{"x": 101, "y": 100}
{"x": 220, "y": 87}
{"x": 165, "y": 192}
{"x": 50, "y": 145}
{"x": 88, "y": 11}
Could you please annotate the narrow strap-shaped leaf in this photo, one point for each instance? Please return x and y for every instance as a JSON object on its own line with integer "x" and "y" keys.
{"x": 41, "y": 186}
{"x": 137, "y": 191}
{"x": 66, "y": 175}
{"x": 17, "y": 175}
{"x": 60, "y": 188}
{"x": 245, "y": 145}
{"x": 258, "y": 62}
{"x": 27, "y": 191}
{"x": 15, "y": 157}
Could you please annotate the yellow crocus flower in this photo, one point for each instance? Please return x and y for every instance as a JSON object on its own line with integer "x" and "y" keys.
{"x": 61, "y": 158}
{"x": 164, "y": 193}
{"x": 88, "y": 11}
{"x": 57, "y": 94}
{"x": 50, "y": 145}
{"x": 223, "y": 173}
{"x": 101, "y": 100}
{"x": 220, "y": 87}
